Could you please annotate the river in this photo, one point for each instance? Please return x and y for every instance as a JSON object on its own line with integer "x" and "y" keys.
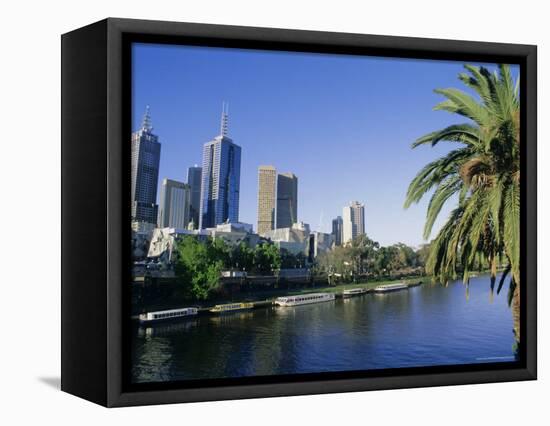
{"x": 422, "y": 326}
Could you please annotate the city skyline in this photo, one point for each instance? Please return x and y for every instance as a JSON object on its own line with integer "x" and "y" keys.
{"x": 363, "y": 130}
{"x": 277, "y": 192}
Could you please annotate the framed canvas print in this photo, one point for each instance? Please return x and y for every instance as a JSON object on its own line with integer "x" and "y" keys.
{"x": 253, "y": 212}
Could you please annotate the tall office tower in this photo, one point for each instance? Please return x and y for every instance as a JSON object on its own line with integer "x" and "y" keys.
{"x": 337, "y": 225}
{"x": 287, "y": 200}
{"x": 145, "y": 171}
{"x": 353, "y": 218}
{"x": 194, "y": 181}
{"x": 221, "y": 178}
{"x": 267, "y": 190}
{"x": 174, "y": 206}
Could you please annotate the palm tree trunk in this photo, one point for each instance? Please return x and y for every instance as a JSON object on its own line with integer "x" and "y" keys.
{"x": 516, "y": 313}
{"x": 516, "y": 303}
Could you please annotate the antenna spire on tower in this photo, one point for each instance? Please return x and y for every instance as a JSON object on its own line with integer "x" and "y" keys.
{"x": 146, "y": 123}
{"x": 225, "y": 118}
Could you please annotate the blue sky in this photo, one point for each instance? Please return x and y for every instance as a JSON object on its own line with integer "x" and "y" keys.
{"x": 343, "y": 124}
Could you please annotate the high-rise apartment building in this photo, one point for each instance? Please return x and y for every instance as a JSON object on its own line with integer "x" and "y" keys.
{"x": 353, "y": 218}
{"x": 174, "y": 206}
{"x": 194, "y": 181}
{"x": 267, "y": 192}
{"x": 287, "y": 200}
{"x": 220, "y": 181}
{"x": 144, "y": 172}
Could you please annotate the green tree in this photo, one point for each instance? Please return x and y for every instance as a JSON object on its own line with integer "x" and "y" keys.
{"x": 288, "y": 259}
{"x": 242, "y": 257}
{"x": 483, "y": 174}
{"x": 199, "y": 265}
{"x": 422, "y": 255}
{"x": 267, "y": 258}
{"x": 406, "y": 255}
{"x": 363, "y": 253}
{"x": 388, "y": 260}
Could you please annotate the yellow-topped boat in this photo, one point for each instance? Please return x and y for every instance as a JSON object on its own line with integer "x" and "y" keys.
{"x": 231, "y": 307}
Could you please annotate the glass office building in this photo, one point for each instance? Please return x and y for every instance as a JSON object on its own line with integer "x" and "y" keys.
{"x": 221, "y": 177}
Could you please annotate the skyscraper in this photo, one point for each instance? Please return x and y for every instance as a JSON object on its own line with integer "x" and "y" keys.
{"x": 267, "y": 187}
{"x": 337, "y": 225}
{"x": 287, "y": 200}
{"x": 174, "y": 204}
{"x": 144, "y": 173}
{"x": 221, "y": 177}
{"x": 353, "y": 219}
{"x": 194, "y": 180}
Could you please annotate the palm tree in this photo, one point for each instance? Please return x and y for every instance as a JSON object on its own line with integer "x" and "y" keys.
{"x": 483, "y": 175}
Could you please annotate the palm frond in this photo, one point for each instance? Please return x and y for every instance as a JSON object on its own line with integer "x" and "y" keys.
{"x": 465, "y": 133}
{"x": 450, "y": 186}
{"x": 461, "y": 103}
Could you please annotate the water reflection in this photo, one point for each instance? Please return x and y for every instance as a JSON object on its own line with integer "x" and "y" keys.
{"x": 426, "y": 325}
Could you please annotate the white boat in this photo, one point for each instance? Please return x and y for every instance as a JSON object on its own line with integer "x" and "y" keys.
{"x": 390, "y": 287}
{"x": 304, "y": 299}
{"x": 150, "y": 317}
{"x": 354, "y": 292}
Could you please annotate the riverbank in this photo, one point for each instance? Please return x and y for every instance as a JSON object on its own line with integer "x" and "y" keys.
{"x": 367, "y": 285}
{"x": 266, "y": 297}
{"x": 273, "y": 293}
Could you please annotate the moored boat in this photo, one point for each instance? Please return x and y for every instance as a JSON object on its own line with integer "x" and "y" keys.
{"x": 390, "y": 287}
{"x": 304, "y": 299}
{"x": 171, "y": 314}
{"x": 231, "y": 307}
{"x": 354, "y": 292}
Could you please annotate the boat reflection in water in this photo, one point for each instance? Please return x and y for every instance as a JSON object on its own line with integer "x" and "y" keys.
{"x": 235, "y": 317}
{"x": 166, "y": 329}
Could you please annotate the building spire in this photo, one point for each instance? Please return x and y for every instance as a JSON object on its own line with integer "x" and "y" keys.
{"x": 146, "y": 123}
{"x": 225, "y": 118}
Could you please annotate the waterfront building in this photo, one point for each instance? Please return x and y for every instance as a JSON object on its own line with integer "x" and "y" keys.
{"x": 353, "y": 218}
{"x": 145, "y": 160}
{"x": 140, "y": 241}
{"x": 267, "y": 189}
{"x": 337, "y": 229}
{"x": 220, "y": 181}
{"x": 163, "y": 241}
{"x": 234, "y": 227}
{"x": 287, "y": 200}
{"x": 174, "y": 210}
{"x": 235, "y": 233}
{"x": 194, "y": 175}
{"x": 295, "y": 239}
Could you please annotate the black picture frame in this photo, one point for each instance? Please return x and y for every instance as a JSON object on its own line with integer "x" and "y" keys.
{"x": 96, "y": 89}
